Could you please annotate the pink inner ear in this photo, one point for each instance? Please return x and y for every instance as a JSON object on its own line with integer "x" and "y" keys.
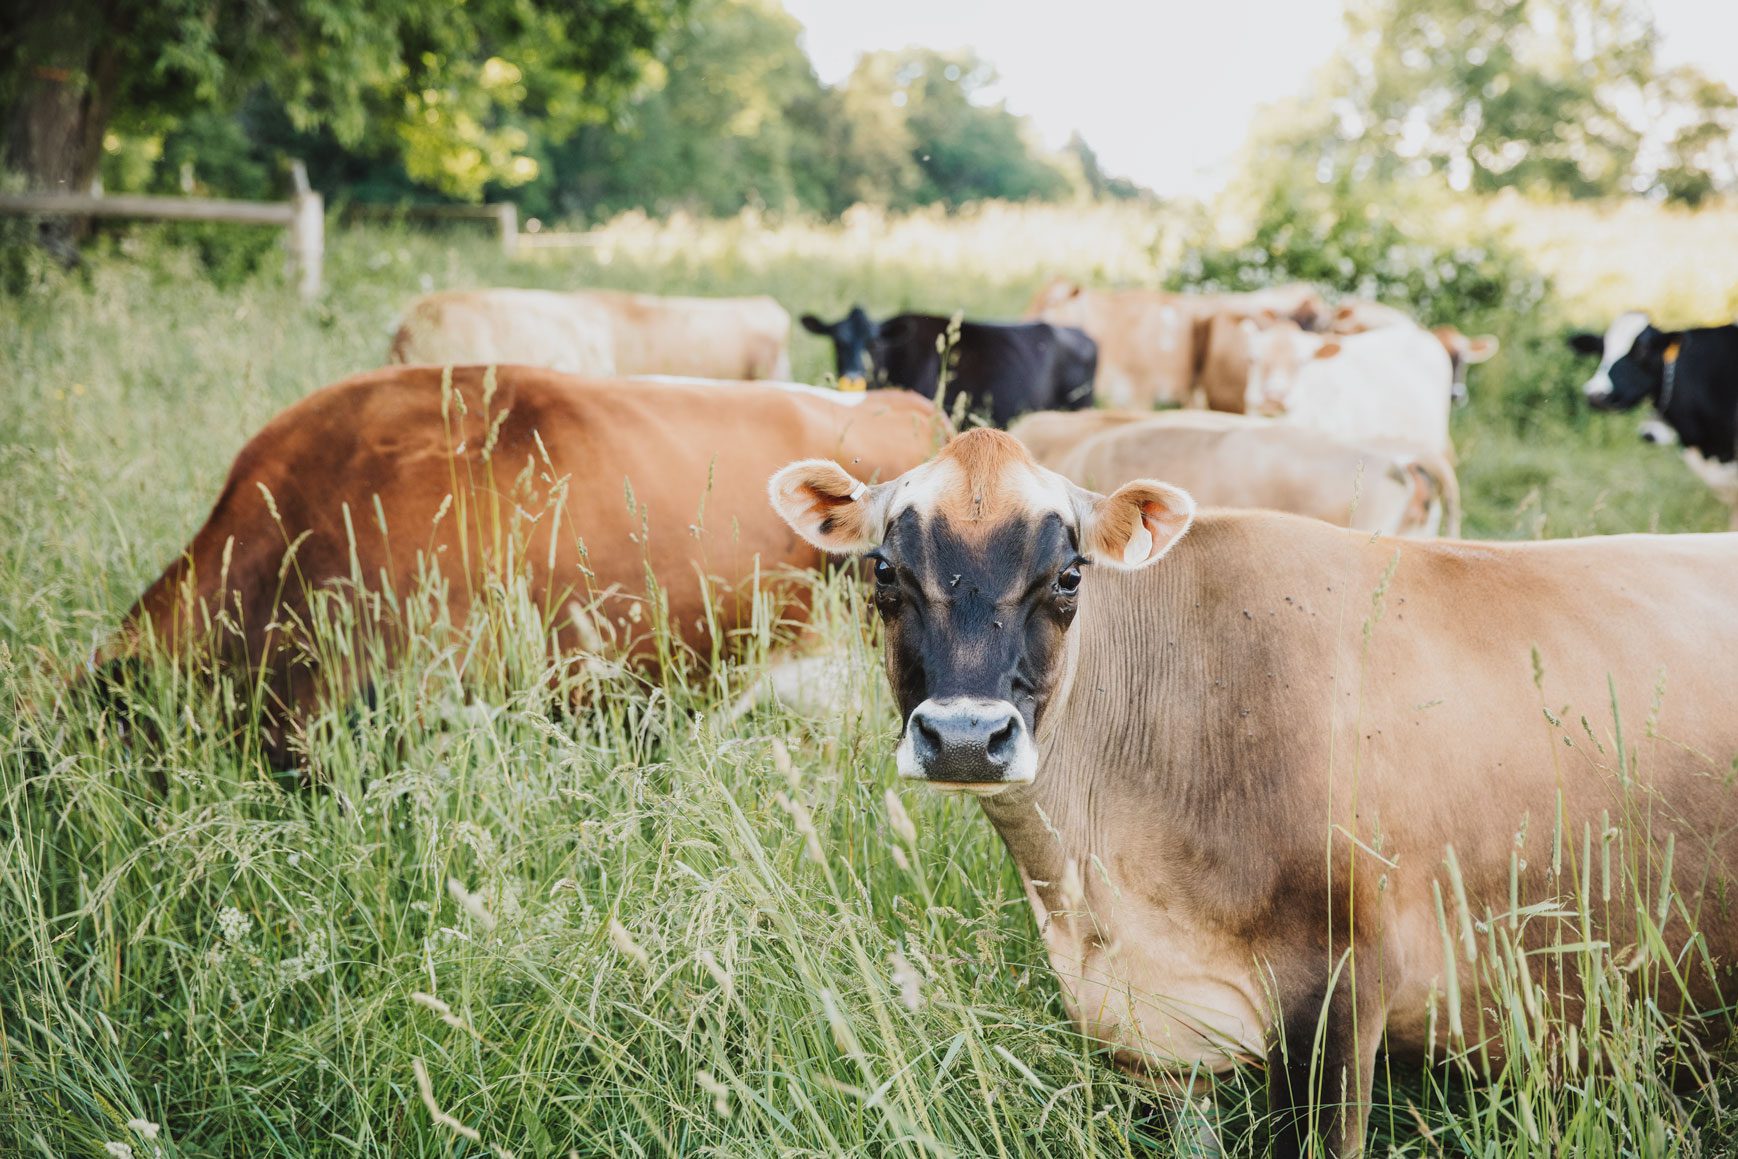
{"x": 1327, "y": 350}
{"x": 1162, "y": 522}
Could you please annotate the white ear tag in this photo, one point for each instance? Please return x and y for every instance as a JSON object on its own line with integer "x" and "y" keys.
{"x": 1140, "y": 545}
{"x": 860, "y": 490}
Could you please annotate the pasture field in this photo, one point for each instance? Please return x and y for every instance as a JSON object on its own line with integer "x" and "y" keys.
{"x": 502, "y": 926}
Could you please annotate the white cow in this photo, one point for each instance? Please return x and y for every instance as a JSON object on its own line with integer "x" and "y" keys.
{"x": 1396, "y": 382}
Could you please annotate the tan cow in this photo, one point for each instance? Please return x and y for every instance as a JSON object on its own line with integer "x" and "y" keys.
{"x": 581, "y": 486}
{"x": 604, "y": 332}
{"x": 1051, "y": 434}
{"x": 1245, "y": 771}
{"x": 1150, "y": 342}
{"x": 1227, "y": 460}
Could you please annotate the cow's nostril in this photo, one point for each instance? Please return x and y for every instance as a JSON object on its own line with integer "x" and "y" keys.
{"x": 1001, "y": 748}
{"x": 926, "y": 738}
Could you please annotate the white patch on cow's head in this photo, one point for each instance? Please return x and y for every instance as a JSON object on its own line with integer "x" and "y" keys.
{"x": 1618, "y": 341}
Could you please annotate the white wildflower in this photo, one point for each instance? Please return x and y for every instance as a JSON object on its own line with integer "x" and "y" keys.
{"x": 118, "y": 1150}
{"x": 145, "y": 1127}
{"x": 234, "y": 924}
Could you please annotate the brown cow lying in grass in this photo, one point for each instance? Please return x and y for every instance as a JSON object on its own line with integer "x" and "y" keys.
{"x": 1279, "y": 793}
{"x": 472, "y": 481}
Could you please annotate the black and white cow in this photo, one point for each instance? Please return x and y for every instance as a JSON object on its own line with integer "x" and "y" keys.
{"x": 1691, "y": 377}
{"x": 1003, "y": 370}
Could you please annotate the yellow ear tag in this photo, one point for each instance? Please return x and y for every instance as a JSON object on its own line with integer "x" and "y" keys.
{"x": 853, "y": 384}
{"x": 1672, "y": 353}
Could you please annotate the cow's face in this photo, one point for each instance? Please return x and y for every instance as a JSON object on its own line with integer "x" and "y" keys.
{"x": 852, "y": 337}
{"x": 1277, "y": 353}
{"x": 1631, "y": 362}
{"x": 980, "y": 558}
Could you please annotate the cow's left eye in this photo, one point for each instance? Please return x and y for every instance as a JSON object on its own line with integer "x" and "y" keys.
{"x": 1069, "y": 581}
{"x": 885, "y": 573}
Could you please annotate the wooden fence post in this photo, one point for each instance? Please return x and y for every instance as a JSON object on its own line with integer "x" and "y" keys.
{"x": 307, "y": 232}
{"x": 508, "y": 215}
{"x": 308, "y": 242}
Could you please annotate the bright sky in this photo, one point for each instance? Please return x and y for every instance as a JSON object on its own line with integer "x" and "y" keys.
{"x": 1164, "y": 91}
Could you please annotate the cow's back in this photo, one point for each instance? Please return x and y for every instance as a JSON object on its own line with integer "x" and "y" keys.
{"x": 496, "y": 327}
{"x": 1231, "y": 461}
{"x": 1051, "y": 435}
{"x": 727, "y": 338}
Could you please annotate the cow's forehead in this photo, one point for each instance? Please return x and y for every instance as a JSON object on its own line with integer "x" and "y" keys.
{"x": 994, "y": 560}
{"x": 980, "y": 480}
{"x": 1622, "y": 335}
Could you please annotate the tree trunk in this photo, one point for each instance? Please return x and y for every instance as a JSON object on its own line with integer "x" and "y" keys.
{"x": 54, "y": 134}
{"x": 54, "y": 130}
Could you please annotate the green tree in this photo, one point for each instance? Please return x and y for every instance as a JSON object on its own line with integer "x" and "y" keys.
{"x": 1561, "y": 97}
{"x": 1701, "y": 157}
{"x": 965, "y": 149}
{"x": 457, "y": 90}
{"x": 720, "y": 131}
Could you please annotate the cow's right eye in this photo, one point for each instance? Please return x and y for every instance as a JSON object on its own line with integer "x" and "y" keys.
{"x": 885, "y": 573}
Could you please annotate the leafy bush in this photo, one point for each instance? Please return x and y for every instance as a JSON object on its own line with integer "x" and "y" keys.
{"x": 1354, "y": 242}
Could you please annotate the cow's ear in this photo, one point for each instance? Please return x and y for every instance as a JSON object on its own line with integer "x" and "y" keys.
{"x": 828, "y": 506}
{"x": 815, "y": 326}
{"x": 1592, "y": 344}
{"x": 1134, "y": 525}
{"x": 1482, "y": 349}
{"x": 1328, "y": 350}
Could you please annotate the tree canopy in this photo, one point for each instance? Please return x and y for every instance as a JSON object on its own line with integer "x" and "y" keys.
{"x": 1554, "y": 97}
{"x": 572, "y": 106}
{"x": 456, "y": 90}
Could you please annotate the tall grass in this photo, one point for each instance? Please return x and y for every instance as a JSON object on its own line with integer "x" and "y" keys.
{"x": 502, "y": 924}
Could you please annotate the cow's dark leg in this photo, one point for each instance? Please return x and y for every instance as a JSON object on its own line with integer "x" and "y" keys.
{"x": 1322, "y": 1066}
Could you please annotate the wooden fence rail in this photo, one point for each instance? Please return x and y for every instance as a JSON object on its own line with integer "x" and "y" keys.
{"x": 504, "y": 214}
{"x": 303, "y": 215}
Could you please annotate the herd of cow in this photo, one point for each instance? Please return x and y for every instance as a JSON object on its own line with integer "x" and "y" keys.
{"x": 1231, "y": 751}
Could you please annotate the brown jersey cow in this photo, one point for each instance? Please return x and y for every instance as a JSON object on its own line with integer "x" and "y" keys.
{"x": 1238, "y": 791}
{"x": 582, "y": 486}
